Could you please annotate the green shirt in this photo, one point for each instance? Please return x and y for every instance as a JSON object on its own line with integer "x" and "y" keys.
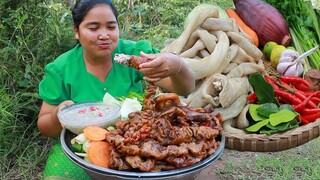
{"x": 66, "y": 78}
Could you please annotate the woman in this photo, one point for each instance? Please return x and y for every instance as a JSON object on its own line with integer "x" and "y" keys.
{"x": 86, "y": 72}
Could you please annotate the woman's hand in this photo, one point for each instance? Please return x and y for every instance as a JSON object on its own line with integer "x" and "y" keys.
{"x": 162, "y": 65}
{"x": 64, "y": 104}
{"x": 169, "y": 72}
{"x": 48, "y": 122}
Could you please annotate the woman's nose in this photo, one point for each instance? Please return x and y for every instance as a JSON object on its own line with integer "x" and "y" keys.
{"x": 104, "y": 34}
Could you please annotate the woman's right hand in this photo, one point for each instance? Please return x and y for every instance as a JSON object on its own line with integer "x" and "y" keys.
{"x": 64, "y": 104}
{"x": 48, "y": 122}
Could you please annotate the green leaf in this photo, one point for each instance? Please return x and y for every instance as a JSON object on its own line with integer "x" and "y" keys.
{"x": 282, "y": 116}
{"x": 292, "y": 127}
{"x": 264, "y": 91}
{"x": 267, "y": 109}
{"x": 257, "y": 126}
{"x": 254, "y": 113}
{"x": 294, "y": 122}
{"x": 282, "y": 126}
{"x": 271, "y": 127}
{"x": 286, "y": 106}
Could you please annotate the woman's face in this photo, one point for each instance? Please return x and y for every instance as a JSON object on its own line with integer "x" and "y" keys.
{"x": 98, "y": 33}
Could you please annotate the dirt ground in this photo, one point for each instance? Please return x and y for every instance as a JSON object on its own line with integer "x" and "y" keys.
{"x": 247, "y": 157}
{"x": 209, "y": 173}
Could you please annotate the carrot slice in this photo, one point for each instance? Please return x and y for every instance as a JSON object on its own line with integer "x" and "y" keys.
{"x": 99, "y": 153}
{"x": 95, "y": 133}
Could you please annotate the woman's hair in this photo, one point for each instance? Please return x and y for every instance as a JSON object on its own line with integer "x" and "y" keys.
{"x": 82, "y": 7}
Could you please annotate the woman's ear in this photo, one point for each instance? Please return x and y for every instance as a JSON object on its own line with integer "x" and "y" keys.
{"x": 76, "y": 32}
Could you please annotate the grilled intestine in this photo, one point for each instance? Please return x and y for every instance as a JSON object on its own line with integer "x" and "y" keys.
{"x": 130, "y": 60}
{"x": 163, "y": 137}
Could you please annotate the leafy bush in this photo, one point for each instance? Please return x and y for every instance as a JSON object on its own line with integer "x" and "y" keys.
{"x": 156, "y": 22}
{"x": 32, "y": 34}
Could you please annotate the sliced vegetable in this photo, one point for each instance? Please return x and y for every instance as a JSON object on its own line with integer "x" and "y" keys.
{"x": 95, "y": 133}
{"x": 76, "y": 147}
{"x": 99, "y": 153}
{"x": 128, "y": 106}
{"x": 86, "y": 145}
{"x": 84, "y": 155}
{"x": 110, "y": 128}
{"x": 109, "y": 99}
{"x": 80, "y": 139}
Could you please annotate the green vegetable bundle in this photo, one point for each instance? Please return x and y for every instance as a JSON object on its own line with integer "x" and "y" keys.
{"x": 303, "y": 20}
{"x": 268, "y": 118}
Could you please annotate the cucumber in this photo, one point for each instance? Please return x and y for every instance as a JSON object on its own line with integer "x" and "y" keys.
{"x": 77, "y": 147}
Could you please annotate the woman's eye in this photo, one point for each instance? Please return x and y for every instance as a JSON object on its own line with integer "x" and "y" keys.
{"x": 111, "y": 27}
{"x": 93, "y": 28}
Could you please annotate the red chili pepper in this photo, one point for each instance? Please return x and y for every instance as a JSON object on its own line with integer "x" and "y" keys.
{"x": 303, "y": 120}
{"x": 285, "y": 86}
{"x": 306, "y": 93}
{"x": 295, "y": 80}
{"x": 288, "y": 97}
{"x": 300, "y": 94}
{"x": 315, "y": 100}
{"x": 252, "y": 99}
{"x": 298, "y": 108}
{"x": 301, "y": 86}
{"x": 311, "y": 104}
{"x": 281, "y": 100}
{"x": 310, "y": 117}
{"x": 307, "y": 111}
{"x": 271, "y": 81}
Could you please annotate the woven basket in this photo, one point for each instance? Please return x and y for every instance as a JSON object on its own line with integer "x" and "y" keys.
{"x": 276, "y": 142}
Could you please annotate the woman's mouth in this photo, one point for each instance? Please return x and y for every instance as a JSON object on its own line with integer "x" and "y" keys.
{"x": 104, "y": 45}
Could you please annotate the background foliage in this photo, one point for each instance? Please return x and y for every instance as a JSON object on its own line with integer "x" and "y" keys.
{"x": 32, "y": 34}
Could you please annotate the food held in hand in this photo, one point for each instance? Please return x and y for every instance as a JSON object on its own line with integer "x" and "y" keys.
{"x": 130, "y": 60}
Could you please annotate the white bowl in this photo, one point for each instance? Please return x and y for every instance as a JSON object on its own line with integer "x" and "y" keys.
{"x": 78, "y": 116}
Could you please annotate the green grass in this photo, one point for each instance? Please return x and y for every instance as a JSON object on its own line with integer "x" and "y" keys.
{"x": 302, "y": 162}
